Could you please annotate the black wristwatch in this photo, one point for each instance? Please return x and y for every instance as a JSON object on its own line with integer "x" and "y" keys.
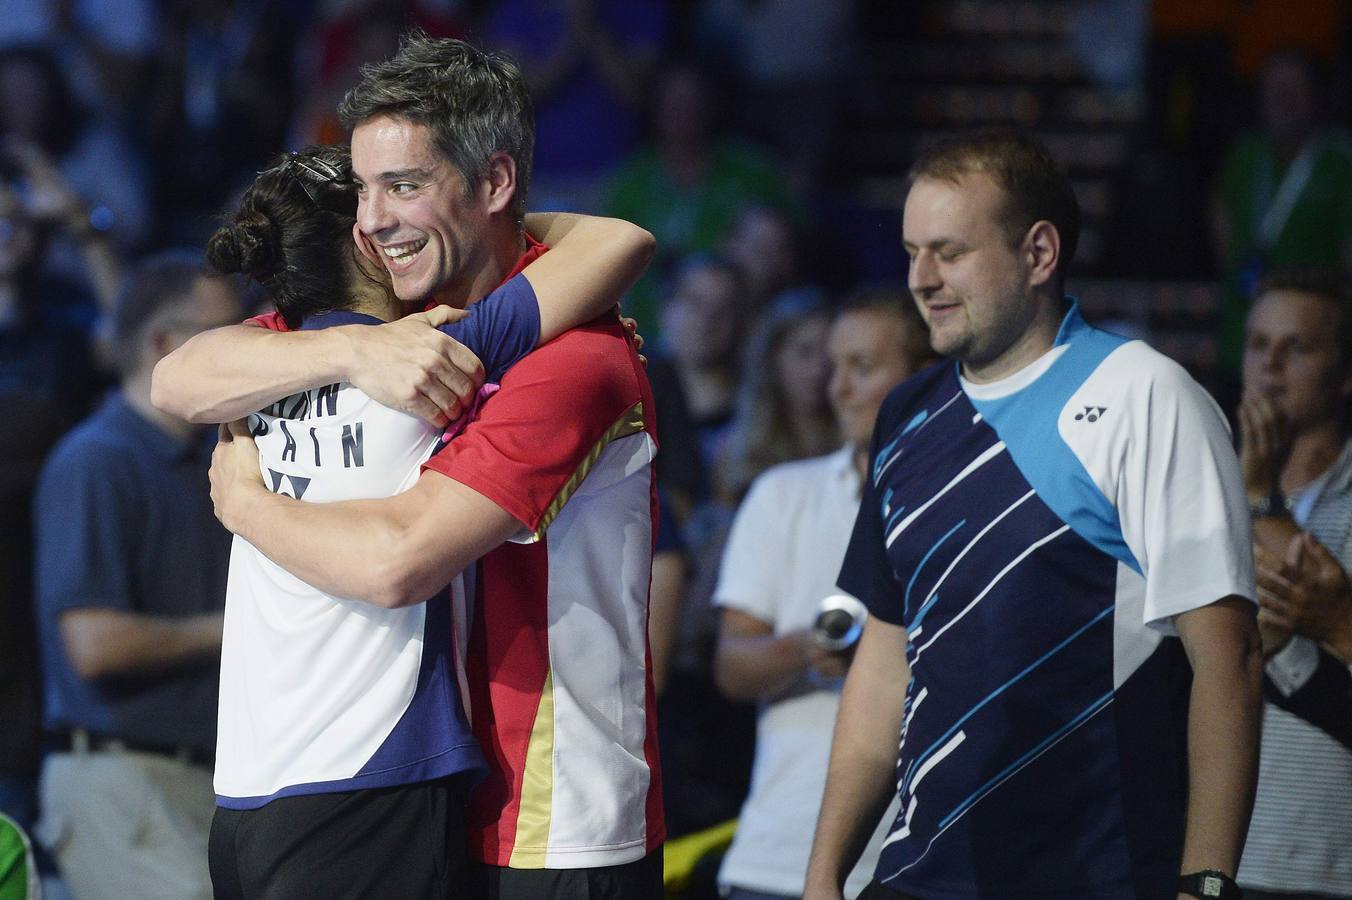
{"x": 1209, "y": 883}
{"x": 1273, "y": 504}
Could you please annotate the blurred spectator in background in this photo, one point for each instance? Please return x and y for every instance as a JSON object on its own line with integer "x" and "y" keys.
{"x": 680, "y": 466}
{"x": 108, "y": 47}
{"x": 130, "y": 581}
{"x": 703, "y": 325}
{"x": 46, "y": 381}
{"x": 782, "y": 411}
{"x": 1296, "y": 456}
{"x": 709, "y": 741}
{"x": 81, "y": 168}
{"x": 344, "y": 35}
{"x": 45, "y": 319}
{"x": 789, "y": 58}
{"x": 1284, "y": 197}
{"x": 667, "y": 592}
{"x": 765, "y": 244}
{"x": 221, "y": 104}
{"x": 691, "y": 182}
{"x": 590, "y": 65}
{"x": 33, "y": 425}
{"x": 781, "y": 561}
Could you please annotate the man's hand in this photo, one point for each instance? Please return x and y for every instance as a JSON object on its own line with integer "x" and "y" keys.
{"x": 827, "y": 664}
{"x": 410, "y": 366}
{"x": 234, "y": 473}
{"x": 1272, "y": 628}
{"x": 1264, "y": 444}
{"x": 1308, "y": 592}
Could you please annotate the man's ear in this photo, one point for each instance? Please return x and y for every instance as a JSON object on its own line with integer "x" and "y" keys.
{"x": 364, "y": 244}
{"x": 500, "y": 182}
{"x": 1042, "y": 245}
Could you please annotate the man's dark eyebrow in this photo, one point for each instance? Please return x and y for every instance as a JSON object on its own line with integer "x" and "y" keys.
{"x": 401, "y": 174}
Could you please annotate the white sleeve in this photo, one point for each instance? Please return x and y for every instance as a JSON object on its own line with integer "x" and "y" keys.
{"x": 1168, "y": 467}
{"x": 749, "y": 575}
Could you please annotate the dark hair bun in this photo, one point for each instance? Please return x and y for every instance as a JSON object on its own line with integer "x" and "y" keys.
{"x": 250, "y": 245}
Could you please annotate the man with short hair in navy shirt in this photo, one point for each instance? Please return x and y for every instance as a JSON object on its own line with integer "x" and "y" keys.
{"x": 1052, "y": 533}
{"x": 130, "y": 582}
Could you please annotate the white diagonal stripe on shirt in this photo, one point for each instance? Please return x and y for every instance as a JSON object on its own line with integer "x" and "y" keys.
{"x": 991, "y": 452}
{"x": 987, "y": 589}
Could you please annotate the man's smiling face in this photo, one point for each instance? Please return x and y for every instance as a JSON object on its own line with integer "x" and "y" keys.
{"x": 413, "y": 208}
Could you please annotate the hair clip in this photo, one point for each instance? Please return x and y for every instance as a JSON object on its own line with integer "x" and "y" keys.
{"x": 313, "y": 172}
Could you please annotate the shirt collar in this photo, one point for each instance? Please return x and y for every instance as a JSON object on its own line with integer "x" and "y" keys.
{"x": 338, "y": 317}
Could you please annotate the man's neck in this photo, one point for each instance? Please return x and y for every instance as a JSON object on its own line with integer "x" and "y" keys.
{"x": 1313, "y": 451}
{"x": 1036, "y": 339}
{"x": 504, "y": 249}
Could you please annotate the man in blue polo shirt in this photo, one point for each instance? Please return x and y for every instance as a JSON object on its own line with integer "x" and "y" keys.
{"x": 1052, "y": 533}
{"x": 130, "y": 581}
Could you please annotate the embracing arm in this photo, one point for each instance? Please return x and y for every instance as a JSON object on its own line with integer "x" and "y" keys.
{"x": 205, "y": 381}
{"x": 591, "y": 263}
{"x": 1224, "y": 716}
{"x": 408, "y": 364}
{"x": 860, "y": 779}
{"x": 396, "y": 551}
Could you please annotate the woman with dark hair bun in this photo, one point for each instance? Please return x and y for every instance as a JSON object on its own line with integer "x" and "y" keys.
{"x": 327, "y": 704}
{"x": 293, "y": 233}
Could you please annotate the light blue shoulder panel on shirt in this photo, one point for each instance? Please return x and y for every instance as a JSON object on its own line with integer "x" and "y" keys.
{"x": 1027, "y": 421}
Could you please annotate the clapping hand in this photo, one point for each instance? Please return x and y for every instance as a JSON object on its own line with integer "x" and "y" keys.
{"x": 1265, "y": 443}
{"x": 1308, "y": 592}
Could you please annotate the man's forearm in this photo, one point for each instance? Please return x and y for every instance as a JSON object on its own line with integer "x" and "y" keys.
{"x": 861, "y": 775}
{"x": 759, "y": 667}
{"x": 860, "y": 782}
{"x": 344, "y": 549}
{"x": 227, "y": 373}
{"x": 391, "y": 552}
{"x": 1223, "y": 735}
{"x": 110, "y": 642}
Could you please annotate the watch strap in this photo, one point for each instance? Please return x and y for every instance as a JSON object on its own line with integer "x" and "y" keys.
{"x": 1209, "y": 884}
{"x": 1273, "y": 504}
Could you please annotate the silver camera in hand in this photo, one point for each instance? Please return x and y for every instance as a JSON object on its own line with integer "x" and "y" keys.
{"x": 839, "y": 622}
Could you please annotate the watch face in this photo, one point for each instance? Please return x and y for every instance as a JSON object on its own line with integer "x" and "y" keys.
{"x": 1212, "y": 886}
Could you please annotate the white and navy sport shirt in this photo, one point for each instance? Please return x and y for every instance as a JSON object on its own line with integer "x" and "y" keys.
{"x": 321, "y": 693}
{"x": 1035, "y": 536}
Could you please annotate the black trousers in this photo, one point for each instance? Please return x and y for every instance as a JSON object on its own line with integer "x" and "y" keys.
{"x": 639, "y": 880}
{"x": 399, "y": 842}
